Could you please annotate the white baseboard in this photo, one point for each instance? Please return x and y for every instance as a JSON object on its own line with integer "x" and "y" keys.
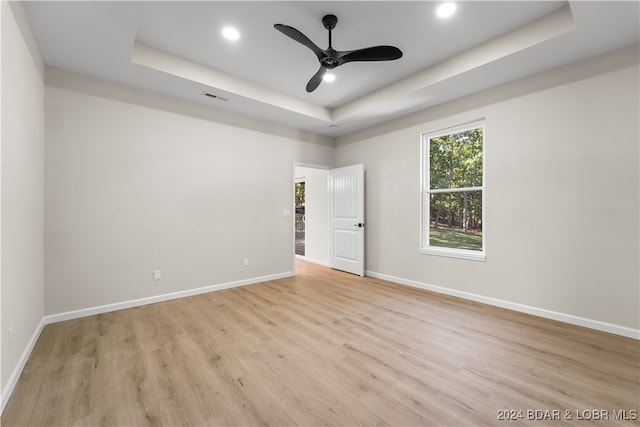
{"x": 75, "y": 314}
{"x": 540, "y": 312}
{"x": 567, "y": 318}
{"x": 313, "y": 260}
{"x": 15, "y": 375}
{"x": 53, "y": 318}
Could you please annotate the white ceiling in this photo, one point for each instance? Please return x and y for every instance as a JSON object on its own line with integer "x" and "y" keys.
{"x": 176, "y": 48}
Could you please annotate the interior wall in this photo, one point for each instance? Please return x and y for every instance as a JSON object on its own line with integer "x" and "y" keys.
{"x": 22, "y": 189}
{"x": 316, "y": 213}
{"x": 136, "y": 183}
{"x": 562, "y": 192}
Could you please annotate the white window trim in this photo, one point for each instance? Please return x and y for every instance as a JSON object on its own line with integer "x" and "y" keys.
{"x": 425, "y": 191}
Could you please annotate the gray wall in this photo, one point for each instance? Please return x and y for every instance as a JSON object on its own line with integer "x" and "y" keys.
{"x": 137, "y": 183}
{"x": 22, "y": 279}
{"x": 561, "y": 191}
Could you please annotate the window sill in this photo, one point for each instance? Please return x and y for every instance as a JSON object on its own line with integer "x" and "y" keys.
{"x": 455, "y": 253}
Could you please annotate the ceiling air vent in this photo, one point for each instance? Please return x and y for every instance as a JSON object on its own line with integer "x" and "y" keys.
{"x": 214, "y": 96}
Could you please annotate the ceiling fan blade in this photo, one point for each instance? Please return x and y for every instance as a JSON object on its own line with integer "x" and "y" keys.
{"x": 375, "y": 53}
{"x": 300, "y": 38}
{"x": 316, "y": 79}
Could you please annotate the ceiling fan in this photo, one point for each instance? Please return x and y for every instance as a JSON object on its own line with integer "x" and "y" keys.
{"x": 330, "y": 58}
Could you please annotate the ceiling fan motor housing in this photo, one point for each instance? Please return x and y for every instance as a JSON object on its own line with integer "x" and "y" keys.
{"x": 330, "y": 60}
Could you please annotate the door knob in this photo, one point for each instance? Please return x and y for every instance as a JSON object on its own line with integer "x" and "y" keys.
{"x": 360, "y": 224}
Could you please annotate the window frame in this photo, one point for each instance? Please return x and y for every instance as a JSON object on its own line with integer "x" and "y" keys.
{"x": 426, "y": 192}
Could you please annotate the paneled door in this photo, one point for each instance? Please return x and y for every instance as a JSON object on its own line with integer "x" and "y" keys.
{"x": 346, "y": 219}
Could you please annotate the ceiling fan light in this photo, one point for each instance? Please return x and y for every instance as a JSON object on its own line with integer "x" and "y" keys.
{"x": 445, "y": 10}
{"x": 328, "y": 77}
{"x": 230, "y": 33}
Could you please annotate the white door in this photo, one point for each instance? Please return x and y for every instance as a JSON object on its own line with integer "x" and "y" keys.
{"x": 346, "y": 219}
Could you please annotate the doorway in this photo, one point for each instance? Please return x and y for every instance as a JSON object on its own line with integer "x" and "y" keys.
{"x": 300, "y": 218}
{"x": 329, "y": 221}
{"x": 311, "y": 207}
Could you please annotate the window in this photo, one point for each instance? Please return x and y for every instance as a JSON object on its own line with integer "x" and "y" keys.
{"x": 453, "y": 192}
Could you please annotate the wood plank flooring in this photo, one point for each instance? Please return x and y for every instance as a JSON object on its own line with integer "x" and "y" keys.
{"x": 324, "y": 348}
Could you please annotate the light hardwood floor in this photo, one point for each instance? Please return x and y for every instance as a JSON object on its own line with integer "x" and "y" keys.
{"x": 323, "y": 348}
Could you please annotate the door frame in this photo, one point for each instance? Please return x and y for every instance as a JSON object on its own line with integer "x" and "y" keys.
{"x": 293, "y": 205}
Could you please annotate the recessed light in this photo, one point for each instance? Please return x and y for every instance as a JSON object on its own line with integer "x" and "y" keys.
{"x": 445, "y": 10}
{"x": 230, "y": 33}
{"x": 328, "y": 77}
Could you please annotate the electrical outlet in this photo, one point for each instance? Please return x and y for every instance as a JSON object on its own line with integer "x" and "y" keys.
{"x": 245, "y": 262}
{"x": 157, "y": 275}
{"x": 10, "y": 335}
